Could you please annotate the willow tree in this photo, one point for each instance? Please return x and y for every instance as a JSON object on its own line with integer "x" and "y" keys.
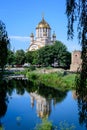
{"x": 76, "y": 11}
{"x": 4, "y": 45}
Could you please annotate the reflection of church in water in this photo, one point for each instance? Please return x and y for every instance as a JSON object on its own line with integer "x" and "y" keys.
{"x": 43, "y": 36}
{"x": 43, "y": 105}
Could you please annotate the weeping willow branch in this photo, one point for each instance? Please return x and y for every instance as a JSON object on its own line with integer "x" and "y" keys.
{"x": 76, "y": 10}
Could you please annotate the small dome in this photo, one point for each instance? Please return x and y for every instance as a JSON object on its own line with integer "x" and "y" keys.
{"x": 43, "y": 24}
{"x": 54, "y": 35}
{"x": 31, "y": 35}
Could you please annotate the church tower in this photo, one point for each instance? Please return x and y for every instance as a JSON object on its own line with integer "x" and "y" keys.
{"x": 43, "y": 31}
{"x": 43, "y": 36}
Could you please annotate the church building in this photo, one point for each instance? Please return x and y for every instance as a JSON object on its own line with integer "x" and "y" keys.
{"x": 43, "y": 36}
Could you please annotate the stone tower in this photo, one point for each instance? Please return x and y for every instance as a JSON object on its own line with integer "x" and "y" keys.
{"x": 76, "y": 61}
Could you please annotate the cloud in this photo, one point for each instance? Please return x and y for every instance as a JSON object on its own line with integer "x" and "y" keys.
{"x": 19, "y": 38}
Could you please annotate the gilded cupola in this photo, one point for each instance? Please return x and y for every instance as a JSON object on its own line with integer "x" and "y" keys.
{"x": 43, "y": 24}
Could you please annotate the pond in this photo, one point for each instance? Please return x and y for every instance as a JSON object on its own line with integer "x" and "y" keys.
{"x": 24, "y": 105}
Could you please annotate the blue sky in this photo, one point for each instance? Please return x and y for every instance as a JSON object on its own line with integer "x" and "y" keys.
{"x": 22, "y": 16}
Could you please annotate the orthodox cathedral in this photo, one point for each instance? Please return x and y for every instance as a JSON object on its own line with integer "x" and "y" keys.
{"x": 43, "y": 36}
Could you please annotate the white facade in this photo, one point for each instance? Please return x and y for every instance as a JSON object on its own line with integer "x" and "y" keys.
{"x": 43, "y": 36}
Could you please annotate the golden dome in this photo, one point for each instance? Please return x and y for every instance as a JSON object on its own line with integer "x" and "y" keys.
{"x": 43, "y": 24}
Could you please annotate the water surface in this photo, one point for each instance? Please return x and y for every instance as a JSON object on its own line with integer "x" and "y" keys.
{"x": 23, "y": 105}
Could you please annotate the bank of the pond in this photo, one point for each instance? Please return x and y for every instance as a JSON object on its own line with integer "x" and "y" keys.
{"x": 54, "y": 79}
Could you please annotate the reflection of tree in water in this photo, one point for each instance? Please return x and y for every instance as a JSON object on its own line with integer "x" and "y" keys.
{"x": 82, "y": 105}
{"x": 3, "y": 101}
{"x": 45, "y": 94}
{"x": 49, "y": 92}
{"x": 42, "y": 90}
{"x": 41, "y": 93}
{"x": 18, "y": 85}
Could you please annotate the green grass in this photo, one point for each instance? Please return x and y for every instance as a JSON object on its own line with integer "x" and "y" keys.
{"x": 69, "y": 80}
{"x": 57, "y": 80}
{"x": 61, "y": 79}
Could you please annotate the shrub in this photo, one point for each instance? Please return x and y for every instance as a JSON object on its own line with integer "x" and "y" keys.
{"x": 45, "y": 125}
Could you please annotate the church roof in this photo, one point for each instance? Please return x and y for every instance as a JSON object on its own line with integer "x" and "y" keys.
{"x": 43, "y": 24}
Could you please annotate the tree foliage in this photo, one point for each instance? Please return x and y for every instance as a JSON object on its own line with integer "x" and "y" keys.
{"x": 32, "y": 57}
{"x": 54, "y": 54}
{"x": 11, "y": 57}
{"x": 4, "y": 45}
{"x": 49, "y": 55}
{"x": 19, "y": 57}
{"x": 76, "y": 10}
{"x": 61, "y": 55}
{"x": 45, "y": 56}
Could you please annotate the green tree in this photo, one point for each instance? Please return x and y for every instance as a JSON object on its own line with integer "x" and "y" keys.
{"x": 32, "y": 57}
{"x": 68, "y": 60}
{"x": 29, "y": 57}
{"x": 35, "y": 57}
{"x": 4, "y": 45}
{"x": 11, "y": 57}
{"x": 76, "y": 10}
{"x": 54, "y": 54}
{"x": 19, "y": 57}
{"x": 61, "y": 55}
{"x": 45, "y": 56}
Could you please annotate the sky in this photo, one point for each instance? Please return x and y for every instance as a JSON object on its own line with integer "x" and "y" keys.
{"x": 22, "y": 16}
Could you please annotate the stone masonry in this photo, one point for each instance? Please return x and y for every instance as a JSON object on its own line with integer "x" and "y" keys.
{"x": 76, "y": 61}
